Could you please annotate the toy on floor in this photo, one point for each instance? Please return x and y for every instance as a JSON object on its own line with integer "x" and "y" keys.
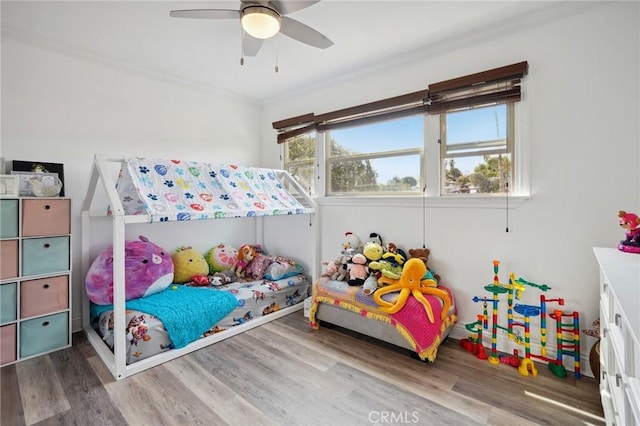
{"x": 568, "y": 336}
{"x": 630, "y": 222}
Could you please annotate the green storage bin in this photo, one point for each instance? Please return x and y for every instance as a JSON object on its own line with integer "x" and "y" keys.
{"x": 8, "y": 218}
{"x": 44, "y": 334}
{"x": 8, "y": 302}
{"x": 45, "y": 255}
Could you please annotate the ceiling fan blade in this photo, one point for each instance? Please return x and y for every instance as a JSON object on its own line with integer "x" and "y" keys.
{"x": 304, "y": 34}
{"x": 251, "y": 45}
{"x": 287, "y": 7}
{"x": 206, "y": 13}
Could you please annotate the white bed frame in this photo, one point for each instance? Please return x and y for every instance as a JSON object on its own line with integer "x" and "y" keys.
{"x": 116, "y": 360}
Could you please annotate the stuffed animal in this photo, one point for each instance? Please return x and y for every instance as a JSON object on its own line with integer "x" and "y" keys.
{"x": 148, "y": 269}
{"x": 221, "y": 258}
{"x": 252, "y": 262}
{"x": 370, "y": 284}
{"x": 358, "y": 272}
{"x": 342, "y": 268}
{"x": 352, "y": 244}
{"x": 373, "y": 249}
{"x": 423, "y": 254}
{"x": 187, "y": 263}
{"x": 630, "y": 222}
{"x": 223, "y": 277}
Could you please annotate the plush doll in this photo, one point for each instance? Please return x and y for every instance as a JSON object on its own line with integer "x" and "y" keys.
{"x": 370, "y": 284}
{"x": 373, "y": 249}
{"x": 221, "y": 258}
{"x": 358, "y": 272}
{"x": 351, "y": 244}
{"x": 223, "y": 277}
{"x": 423, "y": 254}
{"x": 411, "y": 283}
{"x": 342, "y": 270}
{"x": 246, "y": 253}
{"x": 630, "y": 222}
{"x": 187, "y": 263}
{"x": 148, "y": 269}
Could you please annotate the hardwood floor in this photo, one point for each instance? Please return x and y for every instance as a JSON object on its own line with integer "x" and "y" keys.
{"x": 283, "y": 373}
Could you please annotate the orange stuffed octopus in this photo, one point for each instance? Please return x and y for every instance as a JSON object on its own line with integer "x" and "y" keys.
{"x": 411, "y": 283}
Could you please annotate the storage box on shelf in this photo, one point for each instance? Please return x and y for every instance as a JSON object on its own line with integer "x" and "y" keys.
{"x": 35, "y": 277}
{"x": 620, "y": 336}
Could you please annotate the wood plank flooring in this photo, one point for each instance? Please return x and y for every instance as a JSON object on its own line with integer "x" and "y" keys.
{"x": 284, "y": 373}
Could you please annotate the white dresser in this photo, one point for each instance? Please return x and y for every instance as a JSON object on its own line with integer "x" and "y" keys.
{"x": 620, "y": 336}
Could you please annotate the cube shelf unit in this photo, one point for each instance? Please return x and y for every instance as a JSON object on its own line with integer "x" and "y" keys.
{"x": 35, "y": 277}
{"x": 620, "y": 336}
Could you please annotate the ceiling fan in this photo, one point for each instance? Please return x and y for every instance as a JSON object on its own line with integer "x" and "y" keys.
{"x": 261, "y": 20}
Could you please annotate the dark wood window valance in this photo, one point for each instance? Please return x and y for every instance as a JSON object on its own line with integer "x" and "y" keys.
{"x": 498, "y": 85}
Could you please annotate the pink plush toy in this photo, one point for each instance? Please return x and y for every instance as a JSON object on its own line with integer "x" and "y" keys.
{"x": 630, "y": 222}
{"x": 148, "y": 269}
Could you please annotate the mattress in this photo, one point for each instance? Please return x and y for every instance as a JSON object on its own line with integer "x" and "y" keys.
{"x": 148, "y": 336}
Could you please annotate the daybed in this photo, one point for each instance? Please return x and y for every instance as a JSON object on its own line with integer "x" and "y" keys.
{"x": 157, "y": 191}
{"x": 347, "y": 306}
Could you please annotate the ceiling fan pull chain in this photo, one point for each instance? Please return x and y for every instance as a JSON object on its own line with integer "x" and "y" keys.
{"x": 241, "y": 46}
{"x": 276, "y": 57}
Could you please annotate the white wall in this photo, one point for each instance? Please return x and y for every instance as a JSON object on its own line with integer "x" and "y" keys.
{"x": 65, "y": 109}
{"x": 582, "y": 95}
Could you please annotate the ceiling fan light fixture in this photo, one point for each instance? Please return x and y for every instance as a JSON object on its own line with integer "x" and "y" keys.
{"x": 260, "y": 21}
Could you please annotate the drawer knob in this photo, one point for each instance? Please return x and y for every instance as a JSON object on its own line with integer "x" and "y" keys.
{"x": 46, "y": 323}
{"x": 47, "y": 207}
{"x": 45, "y": 286}
{"x": 47, "y": 245}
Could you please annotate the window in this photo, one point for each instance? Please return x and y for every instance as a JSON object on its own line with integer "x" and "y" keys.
{"x": 389, "y": 147}
{"x": 476, "y": 150}
{"x": 382, "y": 157}
{"x": 300, "y": 160}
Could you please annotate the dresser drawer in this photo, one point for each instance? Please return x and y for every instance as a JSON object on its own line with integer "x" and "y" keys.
{"x": 8, "y": 218}
{"x": 45, "y": 217}
{"x": 8, "y": 259}
{"x": 7, "y": 343}
{"x": 8, "y": 302}
{"x": 44, "y": 334}
{"x": 43, "y": 296}
{"x": 45, "y": 255}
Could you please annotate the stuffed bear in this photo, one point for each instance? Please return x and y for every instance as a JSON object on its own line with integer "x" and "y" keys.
{"x": 423, "y": 254}
{"x": 148, "y": 269}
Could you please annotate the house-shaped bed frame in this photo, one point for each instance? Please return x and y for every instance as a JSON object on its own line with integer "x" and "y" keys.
{"x": 129, "y": 203}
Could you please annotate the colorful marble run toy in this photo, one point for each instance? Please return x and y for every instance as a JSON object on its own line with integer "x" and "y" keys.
{"x": 567, "y": 333}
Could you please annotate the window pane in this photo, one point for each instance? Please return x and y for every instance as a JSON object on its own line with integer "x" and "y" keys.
{"x": 478, "y": 124}
{"x": 303, "y": 173}
{"x": 390, "y": 135}
{"x": 389, "y": 174}
{"x": 301, "y": 148}
{"x": 477, "y": 174}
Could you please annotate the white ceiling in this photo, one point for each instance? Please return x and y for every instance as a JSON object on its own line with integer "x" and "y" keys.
{"x": 140, "y": 35}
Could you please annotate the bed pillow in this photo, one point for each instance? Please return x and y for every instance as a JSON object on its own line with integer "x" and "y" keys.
{"x": 281, "y": 267}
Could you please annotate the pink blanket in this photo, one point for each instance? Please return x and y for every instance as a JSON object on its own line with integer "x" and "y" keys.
{"x": 411, "y": 321}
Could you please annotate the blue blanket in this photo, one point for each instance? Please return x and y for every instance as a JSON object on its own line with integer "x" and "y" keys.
{"x": 186, "y": 312}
